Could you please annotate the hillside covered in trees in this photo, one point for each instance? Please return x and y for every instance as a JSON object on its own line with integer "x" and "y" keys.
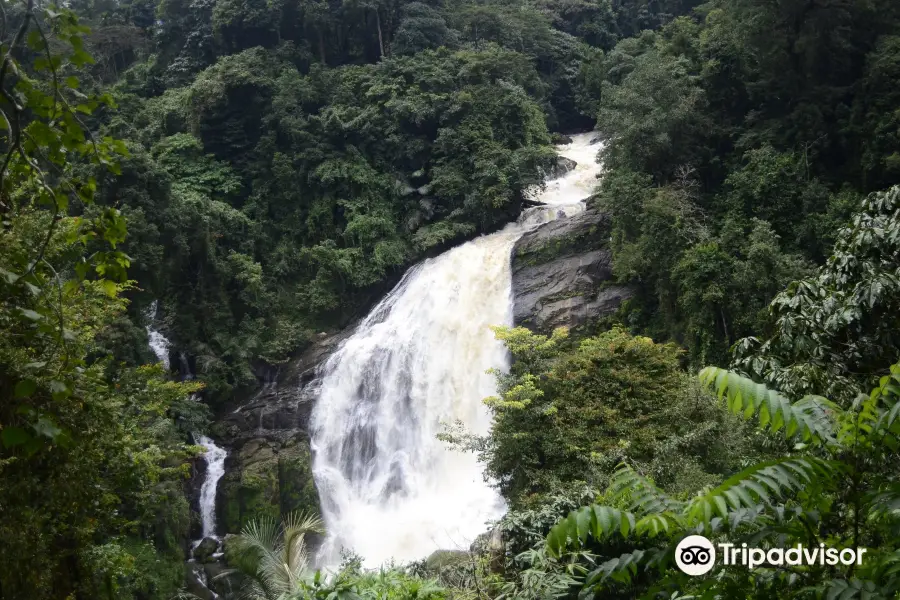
{"x": 256, "y": 172}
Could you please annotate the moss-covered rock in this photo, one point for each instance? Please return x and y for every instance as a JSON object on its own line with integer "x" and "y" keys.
{"x": 205, "y": 549}
{"x": 564, "y": 237}
{"x": 266, "y": 478}
{"x": 268, "y": 471}
{"x": 296, "y": 486}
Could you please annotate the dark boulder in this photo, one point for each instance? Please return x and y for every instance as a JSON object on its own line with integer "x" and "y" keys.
{"x": 195, "y": 582}
{"x": 219, "y": 579}
{"x": 268, "y": 471}
{"x": 560, "y": 167}
{"x": 205, "y": 549}
{"x": 562, "y": 274}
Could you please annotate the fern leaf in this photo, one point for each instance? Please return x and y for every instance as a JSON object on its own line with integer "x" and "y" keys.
{"x": 891, "y": 417}
{"x": 645, "y": 497}
{"x": 886, "y": 502}
{"x": 839, "y": 589}
{"x": 740, "y": 516}
{"x": 756, "y": 485}
{"x": 622, "y": 568}
{"x": 810, "y": 419}
{"x": 862, "y": 420}
{"x": 889, "y": 420}
{"x": 597, "y": 522}
{"x": 656, "y": 524}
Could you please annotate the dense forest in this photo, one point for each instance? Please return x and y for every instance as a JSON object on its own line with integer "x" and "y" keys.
{"x": 257, "y": 172}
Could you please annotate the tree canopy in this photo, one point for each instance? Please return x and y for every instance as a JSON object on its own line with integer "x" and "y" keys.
{"x": 265, "y": 171}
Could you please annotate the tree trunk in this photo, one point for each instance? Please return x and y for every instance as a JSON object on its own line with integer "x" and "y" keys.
{"x": 322, "y": 47}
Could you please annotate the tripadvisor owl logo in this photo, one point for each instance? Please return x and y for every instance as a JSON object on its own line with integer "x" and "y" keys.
{"x": 695, "y": 555}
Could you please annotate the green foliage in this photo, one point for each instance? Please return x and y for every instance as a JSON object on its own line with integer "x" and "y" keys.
{"x": 271, "y": 560}
{"x": 836, "y": 329}
{"x": 422, "y": 28}
{"x": 739, "y": 142}
{"x": 271, "y": 196}
{"x": 387, "y": 584}
{"x": 806, "y": 420}
{"x": 656, "y": 108}
{"x": 281, "y": 164}
{"x": 274, "y": 204}
{"x": 565, "y": 415}
{"x": 833, "y": 488}
{"x": 91, "y": 459}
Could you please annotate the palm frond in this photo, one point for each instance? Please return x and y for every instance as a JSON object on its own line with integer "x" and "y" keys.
{"x": 273, "y": 559}
{"x": 296, "y": 527}
{"x": 261, "y": 534}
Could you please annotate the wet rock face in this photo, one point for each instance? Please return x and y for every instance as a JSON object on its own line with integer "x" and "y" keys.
{"x": 205, "y": 549}
{"x": 267, "y": 477}
{"x": 268, "y": 471}
{"x": 195, "y": 582}
{"x": 562, "y": 274}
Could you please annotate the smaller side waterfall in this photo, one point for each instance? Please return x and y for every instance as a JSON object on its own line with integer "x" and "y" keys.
{"x": 158, "y": 342}
{"x": 215, "y": 468}
{"x": 214, "y": 455}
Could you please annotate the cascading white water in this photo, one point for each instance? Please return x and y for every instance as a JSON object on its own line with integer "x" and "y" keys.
{"x": 389, "y": 488}
{"x": 215, "y": 468}
{"x": 158, "y": 342}
{"x": 214, "y": 456}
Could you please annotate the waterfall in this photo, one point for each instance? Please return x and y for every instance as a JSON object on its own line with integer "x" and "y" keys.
{"x": 215, "y": 468}
{"x": 389, "y": 488}
{"x": 214, "y": 456}
{"x": 158, "y": 342}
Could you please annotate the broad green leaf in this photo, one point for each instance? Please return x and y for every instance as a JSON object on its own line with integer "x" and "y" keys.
{"x": 30, "y": 314}
{"x": 109, "y": 287}
{"x": 13, "y": 436}
{"x": 25, "y": 388}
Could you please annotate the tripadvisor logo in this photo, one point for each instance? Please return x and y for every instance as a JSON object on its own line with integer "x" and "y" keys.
{"x": 696, "y": 555}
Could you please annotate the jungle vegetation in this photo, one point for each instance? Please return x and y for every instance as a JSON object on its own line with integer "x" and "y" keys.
{"x": 265, "y": 170}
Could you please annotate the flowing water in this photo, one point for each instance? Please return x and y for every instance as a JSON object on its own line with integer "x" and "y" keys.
{"x": 389, "y": 488}
{"x": 215, "y": 468}
{"x": 158, "y": 342}
{"x": 214, "y": 456}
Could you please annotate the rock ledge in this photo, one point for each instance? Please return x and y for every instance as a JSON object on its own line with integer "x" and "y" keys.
{"x": 562, "y": 274}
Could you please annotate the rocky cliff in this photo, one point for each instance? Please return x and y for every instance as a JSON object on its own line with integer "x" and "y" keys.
{"x": 269, "y": 468}
{"x": 562, "y": 274}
